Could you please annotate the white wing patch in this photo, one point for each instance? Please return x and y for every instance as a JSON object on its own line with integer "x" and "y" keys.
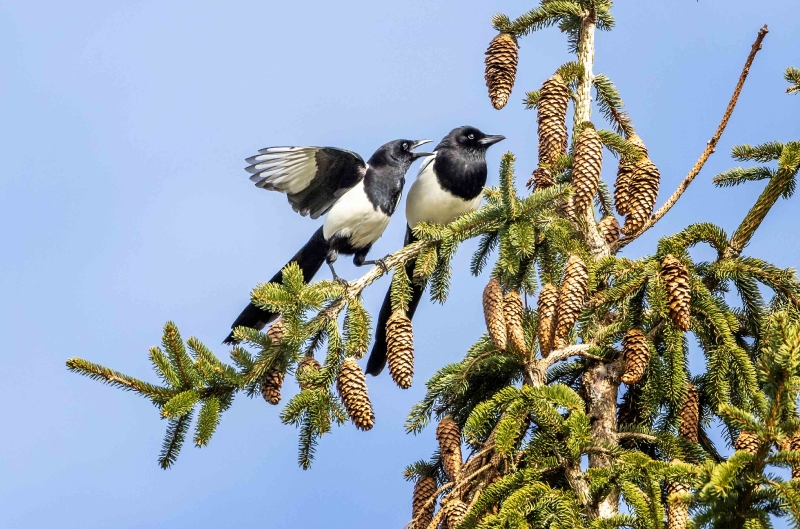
{"x": 285, "y": 169}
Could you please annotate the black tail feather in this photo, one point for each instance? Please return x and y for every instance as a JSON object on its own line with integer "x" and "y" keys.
{"x": 309, "y": 258}
{"x": 377, "y": 358}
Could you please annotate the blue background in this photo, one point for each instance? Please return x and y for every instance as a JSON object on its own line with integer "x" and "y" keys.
{"x": 123, "y": 204}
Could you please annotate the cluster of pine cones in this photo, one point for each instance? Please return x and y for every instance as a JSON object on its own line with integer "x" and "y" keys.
{"x": 504, "y": 314}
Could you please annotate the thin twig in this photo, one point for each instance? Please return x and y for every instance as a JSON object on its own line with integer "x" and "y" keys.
{"x": 708, "y": 151}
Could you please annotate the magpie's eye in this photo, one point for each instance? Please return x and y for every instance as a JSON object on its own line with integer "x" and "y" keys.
{"x": 405, "y": 146}
{"x": 471, "y": 136}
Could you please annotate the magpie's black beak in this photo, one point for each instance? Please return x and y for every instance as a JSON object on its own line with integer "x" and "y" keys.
{"x": 415, "y": 155}
{"x": 491, "y": 140}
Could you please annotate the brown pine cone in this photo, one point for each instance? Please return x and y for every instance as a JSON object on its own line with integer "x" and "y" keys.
{"x": 277, "y": 331}
{"x": 449, "y": 437}
{"x": 636, "y": 351}
{"x": 400, "y": 348}
{"x": 571, "y": 298}
{"x": 609, "y": 229}
{"x": 546, "y": 310}
{"x": 304, "y": 368}
{"x": 677, "y": 512}
{"x": 793, "y": 443}
{"x": 352, "y": 388}
{"x": 540, "y": 179}
{"x": 690, "y": 415}
{"x": 629, "y": 411}
{"x": 622, "y": 192}
{"x": 271, "y": 384}
{"x": 643, "y": 191}
{"x": 513, "y": 312}
{"x": 501, "y": 68}
{"x": 586, "y": 169}
{"x": 679, "y": 293}
{"x": 493, "y": 313}
{"x": 747, "y": 441}
{"x": 551, "y": 117}
{"x": 454, "y": 511}
{"x": 423, "y": 505}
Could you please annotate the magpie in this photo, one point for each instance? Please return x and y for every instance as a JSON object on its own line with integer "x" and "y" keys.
{"x": 450, "y": 183}
{"x": 359, "y": 198}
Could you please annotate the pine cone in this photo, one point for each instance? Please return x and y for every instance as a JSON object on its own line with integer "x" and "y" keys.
{"x": 643, "y": 191}
{"x": 501, "y": 68}
{"x": 747, "y": 441}
{"x": 571, "y": 298}
{"x": 540, "y": 179}
{"x": 454, "y": 511}
{"x": 277, "y": 331}
{"x": 400, "y": 348}
{"x": 513, "y": 312}
{"x": 552, "y": 115}
{"x": 449, "y": 437}
{"x": 271, "y": 386}
{"x": 546, "y": 310}
{"x": 586, "y": 169}
{"x": 352, "y": 388}
{"x": 609, "y": 229}
{"x": 304, "y": 368}
{"x": 677, "y": 512}
{"x": 690, "y": 415}
{"x": 622, "y": 191}
{"x": 493, "y": 313}
{"x": 636, "y": 351}
{"x": 629, "y": 411}
{"x": 679, "y": 293}
{"x": 422, "y": 505}
{"x": 793, "y": 443}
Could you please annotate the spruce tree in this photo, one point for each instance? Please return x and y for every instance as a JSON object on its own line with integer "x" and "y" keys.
{"x": 576, "y": 407}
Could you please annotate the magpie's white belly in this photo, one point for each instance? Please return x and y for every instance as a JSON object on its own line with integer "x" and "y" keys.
{"x": 353, "y": 216}
{"x": 428, "y": 202}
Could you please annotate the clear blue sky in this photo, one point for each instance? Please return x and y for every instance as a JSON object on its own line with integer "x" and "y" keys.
{"x": 123, "y": 204}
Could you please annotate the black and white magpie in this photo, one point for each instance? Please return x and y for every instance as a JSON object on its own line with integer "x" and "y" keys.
{"x": 450, "y": 183}
{"x": 359, "y": 199}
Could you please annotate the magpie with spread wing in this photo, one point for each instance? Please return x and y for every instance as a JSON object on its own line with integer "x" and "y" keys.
{"x": 359, "y": 199}
{"x": 450, "y": 183}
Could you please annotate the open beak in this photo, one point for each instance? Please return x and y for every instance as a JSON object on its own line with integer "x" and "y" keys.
{"x": 491, "y": 140}
{"x": 416, "y": 144}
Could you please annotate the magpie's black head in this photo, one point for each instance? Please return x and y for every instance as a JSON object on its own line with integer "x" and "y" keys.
{"x": 398, "y": 153}
{"x": 469, "y": 139}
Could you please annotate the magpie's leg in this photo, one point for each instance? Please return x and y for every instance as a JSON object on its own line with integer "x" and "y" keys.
{"x": 359, "y": 259}
{"x": 330, "y": 259}
{"x": 380, "y": 262}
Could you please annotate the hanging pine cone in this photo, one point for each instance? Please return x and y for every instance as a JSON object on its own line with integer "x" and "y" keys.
{"x": 636, "y": 351}
{"x": 501, "y": 68}
{"x": 304, "y": 371}
{"x": 622, "y": 191}
{"x": 586, "y": 169}
{"x": 552, "y": 115}
{"x": 422, "y": 505}
{"x": 679, "y": 293}
{"x": 513, "y": 312}
{"x": 493, "y": 313}
{"x": 643, "y": 191}
{"x": 540, "y": 179}
{"x": 690, "y": 415}
{"x": 629, "y": 411}
{"x": 277, "y": 331}
{"x": 352, "y": 388}
{"x": 793, "y": 443}
{"x": 449, "y": 437}
{"x": 747, "y": 441}
{"x": 271, "y": 386}
{"x": 571, "y": 298}
{"x": 454, "y": 511}
{"x": 400, "y": 348}
{"x": 677, "y": 512}
{"x": 609, "y": 228}
{"x": 546, "y": 310}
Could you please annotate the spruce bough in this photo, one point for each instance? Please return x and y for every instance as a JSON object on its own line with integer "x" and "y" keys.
{"x": 585, "y": 355}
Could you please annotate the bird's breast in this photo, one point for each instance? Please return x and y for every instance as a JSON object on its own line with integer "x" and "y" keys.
{"x": 355, "y": 217}
{"x": 428, "y": 202}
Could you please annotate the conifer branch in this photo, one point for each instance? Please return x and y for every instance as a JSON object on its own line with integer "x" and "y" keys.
{"x": 707, "y": 152}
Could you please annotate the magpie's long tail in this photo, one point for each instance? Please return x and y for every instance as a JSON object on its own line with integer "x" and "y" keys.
{"x": 377, "y": 358}
{"x": 309, "y": 258}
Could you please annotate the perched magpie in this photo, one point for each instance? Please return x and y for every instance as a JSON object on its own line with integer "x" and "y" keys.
{"x": 358, "y": 197}
{"x": 450, "y": 183}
